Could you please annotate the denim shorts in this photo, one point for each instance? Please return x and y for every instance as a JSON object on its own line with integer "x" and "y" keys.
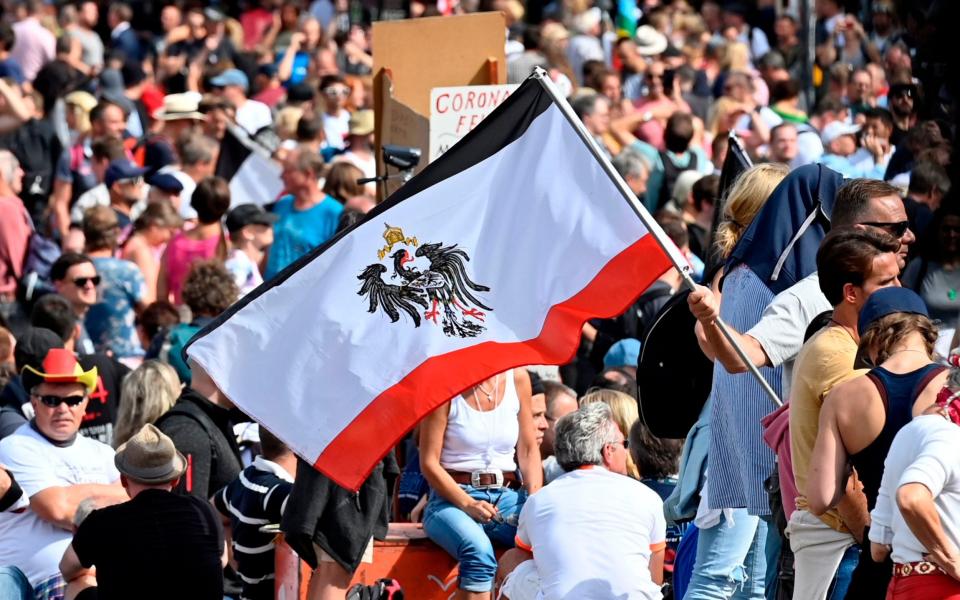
{"x": 470, "y": 542}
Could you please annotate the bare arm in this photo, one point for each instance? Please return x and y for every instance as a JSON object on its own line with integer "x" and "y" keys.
{"x": 270, "y": 35}
{"x": 528, "y": 452}
{"x": 163, "y": 288}
{"x": 656, "y": 566}
{"x": 285, "y": 68}
{"x": 706, "y": 308}
{"x": 879, "y": 552}
{"x": 920, "y": 514}
{"x": 57, "y": 505}
{"x": 14, "y": 99}
{"x": 623, "y": 128}
{"x": 828, "y": 464}
{"x": 70, "y": 566}
{"x": 60, "y": 206}
{"x": 357, "y": 53}
{"x": 760, "y": 128}
{"x": 140, "y": 256}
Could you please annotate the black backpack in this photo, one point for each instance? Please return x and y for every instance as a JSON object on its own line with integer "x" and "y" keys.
{"x": 670, "y": 174}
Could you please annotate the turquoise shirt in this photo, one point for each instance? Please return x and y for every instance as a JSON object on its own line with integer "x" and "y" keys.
{"x": 300, "y": 231}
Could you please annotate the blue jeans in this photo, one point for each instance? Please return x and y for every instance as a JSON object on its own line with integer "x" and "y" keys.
{"x": 841, "y": 582}
{"x": 731, "y": 561}
{"x": 470, "y": 542}
{"x": 14, "y": 585}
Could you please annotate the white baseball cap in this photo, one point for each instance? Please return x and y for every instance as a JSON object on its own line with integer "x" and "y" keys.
{"x": 837, "y": 129}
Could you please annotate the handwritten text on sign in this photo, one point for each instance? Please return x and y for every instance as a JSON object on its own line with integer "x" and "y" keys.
{"x": 454, "y": 111}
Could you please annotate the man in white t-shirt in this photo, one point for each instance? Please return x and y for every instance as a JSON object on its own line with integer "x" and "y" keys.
{"x": 252, "y": 115}
{"x": 56, "y": 468}
{"x": 594, "y": 532}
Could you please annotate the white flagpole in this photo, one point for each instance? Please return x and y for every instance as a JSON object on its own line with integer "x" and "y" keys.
{"x": 679, "y": 262}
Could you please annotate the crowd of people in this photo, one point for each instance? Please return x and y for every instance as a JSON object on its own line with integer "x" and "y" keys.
{"x": 126, "y": 472}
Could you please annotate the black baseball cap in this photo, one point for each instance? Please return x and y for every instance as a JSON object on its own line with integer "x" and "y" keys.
{"x": 248, "y": 214}
{"x": 33, "y": 346}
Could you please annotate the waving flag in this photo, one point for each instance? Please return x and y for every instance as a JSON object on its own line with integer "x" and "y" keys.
{"x": 253, "y": 176}
{"x": 493, "y": 257}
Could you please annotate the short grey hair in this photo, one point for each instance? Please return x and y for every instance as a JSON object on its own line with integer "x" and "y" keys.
{"x": 86, "y": 506}
{"x": 630, "y": 163}
{"x": 586, "y": 104}
{"x": 196, "y": 149}
{"x": 582, "y": 434}
{"x": 8, "y": 165}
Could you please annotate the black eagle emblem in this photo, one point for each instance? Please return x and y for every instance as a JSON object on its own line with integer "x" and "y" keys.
{"x": 443, "y": 290}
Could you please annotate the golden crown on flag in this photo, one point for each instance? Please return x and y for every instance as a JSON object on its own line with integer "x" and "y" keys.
{"x": 394, "y": 235}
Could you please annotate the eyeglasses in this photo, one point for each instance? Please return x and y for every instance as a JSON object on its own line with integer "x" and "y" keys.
{"x": 334, "y": 92}
{"x": 55, "y": 401}
{"x": 624, "y": 442}
{"x": 81, "y": 282}
{"x": 654, "y": 77}
{"x": 896, "y": 229}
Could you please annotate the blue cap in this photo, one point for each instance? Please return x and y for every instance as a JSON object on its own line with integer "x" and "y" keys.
{"x": 121, "y": 169}
{"x": 625, "y": 353}
{"x": 165, "y": 182}
{"x": 231, "y": 77}
{"x": 887, "y": 301}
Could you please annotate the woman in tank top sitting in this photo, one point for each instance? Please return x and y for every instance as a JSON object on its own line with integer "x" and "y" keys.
{"x": 861, "y": 417}
{"x": 471, "y": 449}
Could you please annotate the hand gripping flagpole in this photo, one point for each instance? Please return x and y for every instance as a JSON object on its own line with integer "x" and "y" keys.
{"x": 669, "y": 248}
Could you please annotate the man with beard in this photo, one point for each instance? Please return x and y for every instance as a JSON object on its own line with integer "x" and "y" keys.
{"x": 903, "y": 100}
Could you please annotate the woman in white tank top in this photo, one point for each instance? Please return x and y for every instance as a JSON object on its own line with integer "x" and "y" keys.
{"x": 471, "y": 449}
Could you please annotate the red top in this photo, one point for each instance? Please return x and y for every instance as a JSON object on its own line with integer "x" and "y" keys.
{"x": 14, "y": 237}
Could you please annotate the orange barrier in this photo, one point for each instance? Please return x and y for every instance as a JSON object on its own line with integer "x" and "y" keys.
{"x": 425, "y": 570}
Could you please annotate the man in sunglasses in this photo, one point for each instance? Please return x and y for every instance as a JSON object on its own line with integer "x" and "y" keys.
{"x": 903, "y": 101}
{"x": 336, "y": 120}
{"x": 124, "y": 181}
{"x": 75, "y": 278}
{"x": 593, "y": 532}
{"x": 57, "y": 469}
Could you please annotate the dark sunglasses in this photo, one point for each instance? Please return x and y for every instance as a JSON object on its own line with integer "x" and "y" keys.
{"x": 906, "y": 90}
{"x": 82, "y": 281}
{"x": 625, "y": 443}
{"x": 896, "y": 229}
{"x": 55, "y": 401}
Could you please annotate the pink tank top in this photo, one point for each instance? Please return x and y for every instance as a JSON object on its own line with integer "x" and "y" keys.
{"x": 183, "y": 252}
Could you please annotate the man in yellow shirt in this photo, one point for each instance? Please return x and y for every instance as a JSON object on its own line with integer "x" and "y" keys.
{"x": 852, "y": 263}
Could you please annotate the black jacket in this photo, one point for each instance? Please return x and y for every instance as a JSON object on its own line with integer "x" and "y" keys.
{"x": 203, "y": 432}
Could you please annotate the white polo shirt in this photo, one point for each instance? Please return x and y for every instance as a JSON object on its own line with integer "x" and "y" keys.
{"x": 591, "y": 532}
{"x": 27, "y": 541}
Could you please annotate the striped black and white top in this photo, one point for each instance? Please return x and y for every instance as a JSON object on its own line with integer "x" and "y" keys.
{"x": 257, "y": 497}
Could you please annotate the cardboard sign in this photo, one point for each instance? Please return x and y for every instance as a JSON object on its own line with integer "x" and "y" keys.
{"x": 454, "y": 111}
{"x": 473, "y": 50}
